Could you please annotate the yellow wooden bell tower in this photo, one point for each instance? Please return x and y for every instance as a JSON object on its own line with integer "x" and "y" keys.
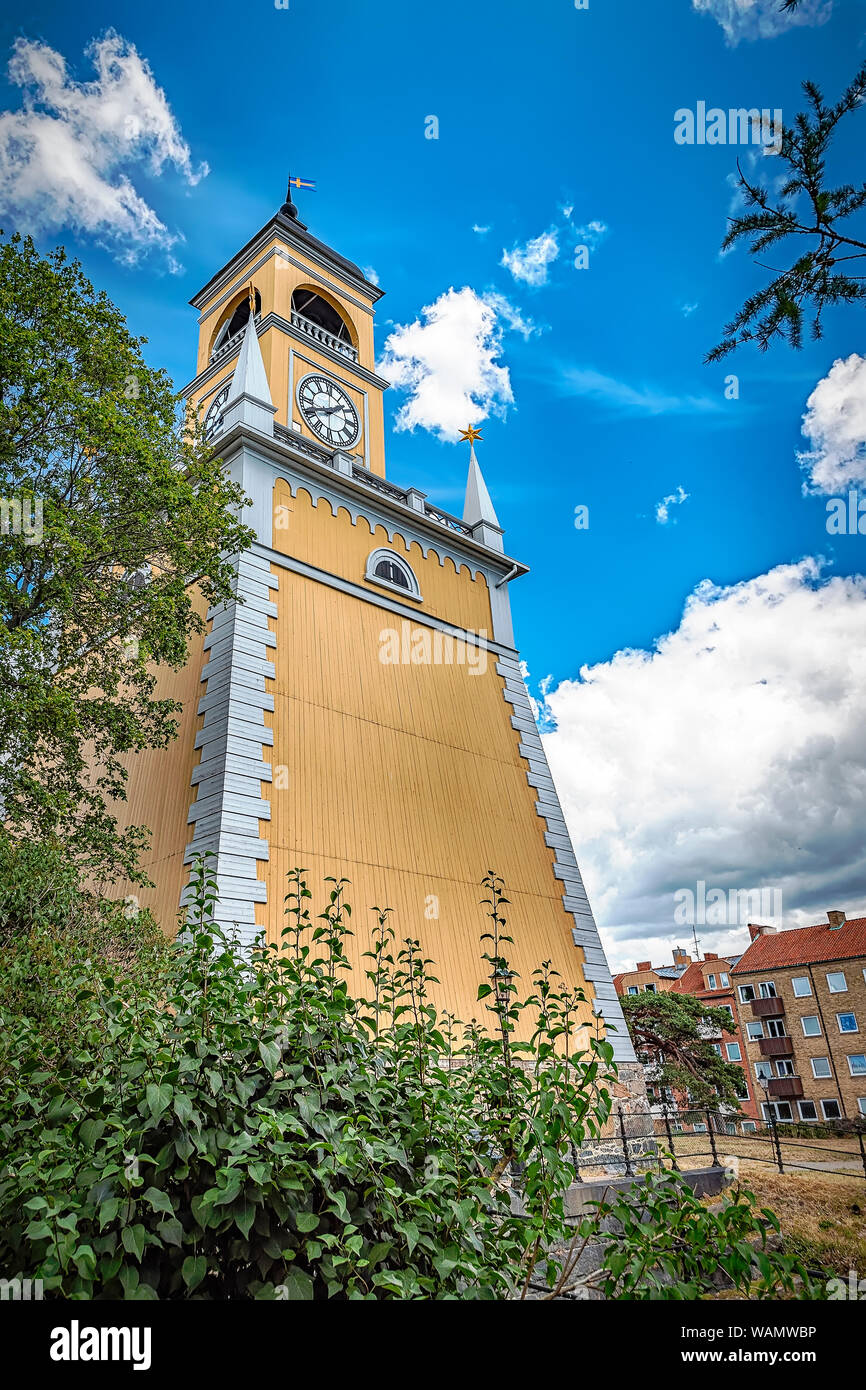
{"x": 360, "y": 710}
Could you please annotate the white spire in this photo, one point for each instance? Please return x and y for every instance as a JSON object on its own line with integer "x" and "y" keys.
{"x": 478, "y": 506}
{"x": 249, "y": 377}
{"x": 249, "y": 399}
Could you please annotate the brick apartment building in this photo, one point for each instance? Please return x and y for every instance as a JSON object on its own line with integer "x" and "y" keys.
{"x": 709, "y": 979}
{"x": 801, "y": 1000}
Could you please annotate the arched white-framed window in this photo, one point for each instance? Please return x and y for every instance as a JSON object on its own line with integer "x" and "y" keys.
{"x": 389, "y": 569}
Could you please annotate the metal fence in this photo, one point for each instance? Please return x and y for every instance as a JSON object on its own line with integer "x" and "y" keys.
{"x": 676, "y": 1138}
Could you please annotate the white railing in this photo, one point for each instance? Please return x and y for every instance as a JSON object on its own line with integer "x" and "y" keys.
{"x": 229, "y": 344}
{"x": 321, "y": 335}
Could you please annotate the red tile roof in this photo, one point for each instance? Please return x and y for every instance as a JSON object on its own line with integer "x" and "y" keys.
{"x": 692, "y": 982}
{"x": 802, "y": 945}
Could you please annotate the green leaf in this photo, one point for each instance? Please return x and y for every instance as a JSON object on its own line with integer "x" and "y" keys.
{"x": 158, "y": 1099}
{"x": 270, "y": 1055}
{"x": 194, "y": 1270}
{"x": 158, "y": 1200}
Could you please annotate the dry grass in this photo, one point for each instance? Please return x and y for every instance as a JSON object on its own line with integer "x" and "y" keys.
{"x": 822, "y": 1216}
{"x": 761, "y": 1147}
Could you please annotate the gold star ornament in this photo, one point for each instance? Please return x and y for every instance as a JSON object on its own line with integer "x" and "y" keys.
{"x": 471, "y": 434}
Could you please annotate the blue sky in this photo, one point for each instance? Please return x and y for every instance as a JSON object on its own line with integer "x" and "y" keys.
{"x": 540, "y": 109}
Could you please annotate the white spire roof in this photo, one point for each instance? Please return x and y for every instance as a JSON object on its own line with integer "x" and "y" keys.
{"x": 478, "y": 506}
{"x": 250, "y": 378}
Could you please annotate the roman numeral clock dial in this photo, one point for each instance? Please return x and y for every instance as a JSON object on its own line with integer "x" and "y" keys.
{"x": 328, "y": 411}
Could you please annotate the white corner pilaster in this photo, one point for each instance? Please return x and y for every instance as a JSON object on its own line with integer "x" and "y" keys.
{"x": 596, "y": 970}
{"x": 229, "y": 805}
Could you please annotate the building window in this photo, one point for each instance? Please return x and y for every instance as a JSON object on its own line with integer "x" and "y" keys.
{"x": 784, "y": 1067}
{"x": 717, "y": 1048}
{"x": 387, "y": 568}
{"x": 821, "y": 1067}
{"x": 832, "y": 1109}
{"x": 743, "y": 1091}
{"x": 711, "y": 982}
{"x": 836, "y": 982}
{"x": 811, "y": 1025}
{"x": 857, "y": 1064}
{"x": 808, "y": 1110}
{"x": 763, "y": 1070}
{"x": 633, "y": 989}
{"x": 747, "y": 994}
{"x": 728, "y": 1007}
{"x": 861, "y": 1104}
{"x": 767, "y": 989}
{"x": 748, "y": 1126}
{"x": 755, "y": 1030}
{"x": 781, "y": 1109}
{"x": 733, "y": 1051}
{"x": 724, "y": 980}
{"x": 776, "y": 1028}
{"x": 847, "y": 1023}
{"x": 650, "y": 989}
{"x": 802, "y": 986}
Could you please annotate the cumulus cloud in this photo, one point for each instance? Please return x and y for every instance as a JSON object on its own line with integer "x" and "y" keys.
{"x": 65, "y": 155}
{"x": 835, "y": 425}
{"x": 734, "y": 752}
{"x": 371, "y": 274}
{"x": 761, "y": 19}
{"x": 447, "y": 362}
{"x": 663, "y": 508}
{"x": 530, "y": 263}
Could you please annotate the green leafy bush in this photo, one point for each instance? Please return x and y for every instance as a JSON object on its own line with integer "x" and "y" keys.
{"x": 233, "y": 1126}
{"x": 660, "y": 1242}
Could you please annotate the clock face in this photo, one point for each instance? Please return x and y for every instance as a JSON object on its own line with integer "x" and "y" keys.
{"x": 213, "y": 421}
{"x": 328, "y": 411}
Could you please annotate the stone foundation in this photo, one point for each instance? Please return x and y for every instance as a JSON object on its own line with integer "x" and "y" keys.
{"x": 627, "y": 1142}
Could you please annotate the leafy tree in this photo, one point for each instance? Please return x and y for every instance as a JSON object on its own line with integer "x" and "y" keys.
{"x": 672, "y": 1033}
{"x": 117, "y": 528}
{"x": 234, "y": 1126}
{"x": 824, "y": 270}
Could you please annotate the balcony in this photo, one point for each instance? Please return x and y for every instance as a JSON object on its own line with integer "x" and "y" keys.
{"x": 776, "y": 1047}
{"x": 785, "y": 1087}
{"x": 767, "y": 1008}
{"x": 321, "y": 335}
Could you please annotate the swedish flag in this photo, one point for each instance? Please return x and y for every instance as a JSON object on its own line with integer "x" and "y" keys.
{"x": 302, "y": 183}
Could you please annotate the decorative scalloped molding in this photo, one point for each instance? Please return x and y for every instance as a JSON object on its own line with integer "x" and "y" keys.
{"x": 596, "y": 970}
{"x": 376, "y": 521}
{"x": 229, "y": 804}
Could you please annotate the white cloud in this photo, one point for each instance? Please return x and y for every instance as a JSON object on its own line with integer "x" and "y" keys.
{"x": 663, "y": 508}
{"x": 567, "y": 210}
{"x": 733, "y": 753}
{"x": 65, "y": 155}
{"x": 371, "y": 274}
{"x": 761, "y": 19}
{"x": 591, "y": 234}
{"x": 687, "y": 310}
{"x": 530, "y": 263}
{"x": 447, "y": 362}
{"x": 480, "y": 230}
{"x": 835, "y": 425}
{"x": 640, "y": 400}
